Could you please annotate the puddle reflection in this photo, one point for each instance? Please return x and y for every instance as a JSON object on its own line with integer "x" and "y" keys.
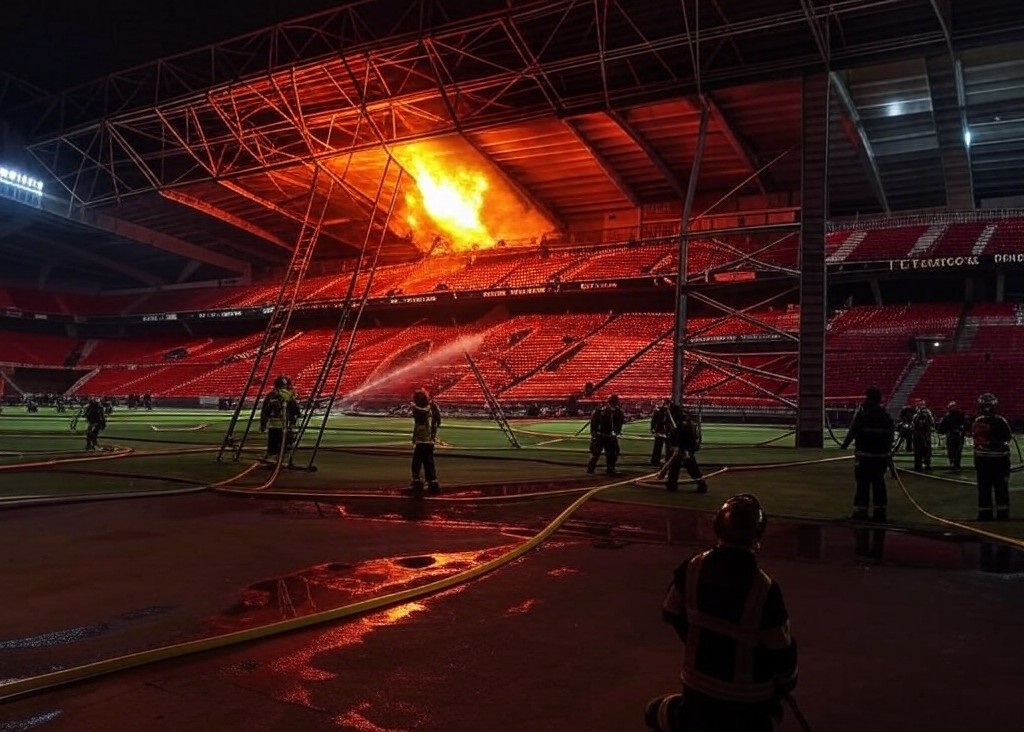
{"x": 327, "y": 586}
{"x": 885, "y": 545}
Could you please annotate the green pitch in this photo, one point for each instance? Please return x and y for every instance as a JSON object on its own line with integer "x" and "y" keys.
{"x": 176, "y": 450}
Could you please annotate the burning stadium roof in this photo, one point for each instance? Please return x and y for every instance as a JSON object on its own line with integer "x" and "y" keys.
{"x": 543, "y": 116}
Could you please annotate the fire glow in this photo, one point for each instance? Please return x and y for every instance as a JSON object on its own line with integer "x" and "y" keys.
{"x": 457, "y": 204}
{"x": 452, "y": 202}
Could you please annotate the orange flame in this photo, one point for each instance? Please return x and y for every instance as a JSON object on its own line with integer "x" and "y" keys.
{"x": 451, "y": 201}
{"x": 458, "y": 203}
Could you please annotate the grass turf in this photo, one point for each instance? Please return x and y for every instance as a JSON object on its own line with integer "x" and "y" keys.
{"x": 372, "y": 453}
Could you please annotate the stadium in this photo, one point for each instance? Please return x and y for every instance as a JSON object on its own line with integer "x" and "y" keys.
{"x": 756, "y": 210}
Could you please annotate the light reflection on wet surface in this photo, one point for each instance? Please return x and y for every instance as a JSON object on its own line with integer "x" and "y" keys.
{"x": 333, "y": 585}
{"x": 615, "y": 525}
{"x": 354, "y": 719}
{"x": 30, "y": 723}
{"x": 293, "y": 678}
{"x": 57, "y": 638}
{"x": 522, "y": 608}
{"x": 68, "y": 636}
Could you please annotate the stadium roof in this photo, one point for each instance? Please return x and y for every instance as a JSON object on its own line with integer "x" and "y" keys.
{"x": 581, "y": 108}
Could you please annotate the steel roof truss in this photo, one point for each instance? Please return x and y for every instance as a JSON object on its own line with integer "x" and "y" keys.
{"x": 627, "y": 191}
{"x": 854, "y": 127}
{"x": 653, "y": 155}
{"x": 225, "y": 217}
{"x": 742, "y": 313}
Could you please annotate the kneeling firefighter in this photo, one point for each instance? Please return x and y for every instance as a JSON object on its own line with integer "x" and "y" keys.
{"x": 740, "y": 659}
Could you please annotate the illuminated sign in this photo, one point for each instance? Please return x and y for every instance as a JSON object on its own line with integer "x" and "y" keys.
{"x": 17, "y": 186}
{"x": 734, "y": 276}
{"x": 17, "y": 179}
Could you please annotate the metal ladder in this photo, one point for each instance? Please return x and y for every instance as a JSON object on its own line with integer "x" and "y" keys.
{"x": 492, "y": 403}
{"x": 336, "y": 357}
{"x": 280, "y": 318}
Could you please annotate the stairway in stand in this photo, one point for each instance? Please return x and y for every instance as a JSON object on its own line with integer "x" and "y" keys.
{"x": 846, "y": 248}
{"x": 927, "y": 240}
{"x": 903, "y": 391}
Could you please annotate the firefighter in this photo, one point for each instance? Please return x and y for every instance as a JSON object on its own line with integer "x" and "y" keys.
{"x": 872, "y": 435}
{"x": 684, "y": 440}
{"x": 426, "y": 418}
{"x": 660, "y": 428}
{"x": 278, "y": 416}
{"x": 954, "y": 426}
{"x": 923, "y": 426}
{"x": 96, "y": 418}
{"x": 906, "y": 429}
{"x": 740, "y": 658}
{"x": 605, "y": 427}
{"x": 992, "y": 436}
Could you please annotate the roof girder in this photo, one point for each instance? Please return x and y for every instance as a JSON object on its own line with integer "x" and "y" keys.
{"x": 225, "y": 217}
{"x": 107, "y": 263}
{"x": 656, "y": 158}
{"x": 740, "y": 146}
{"x": 507, "y": 79}
{"x": 854, "y": 128}
{"x": 627, "y": 191}
{"x": 174, "y": 245}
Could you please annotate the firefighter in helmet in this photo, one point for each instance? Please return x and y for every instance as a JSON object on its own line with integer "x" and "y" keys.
{"x": 605, "y": 427}
{"x": 278, "y": 416}
{"x": 96, "y": 418}
{"x": 684, "y": 439}
{"x": 906, "y": 429}
{"x": 740, "y": 658}
{"x": 871, "y": 434}
{"x": 923, "y": 426}
{"x": 426, "y": 418}
{"x": 954, "y": 426}
{"x": 992, "y": 437}
{"x": 661, "y": 425}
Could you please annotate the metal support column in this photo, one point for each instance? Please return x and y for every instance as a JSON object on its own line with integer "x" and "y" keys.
{"x": 810, "y": 421}
{"x": 679, "y": 340}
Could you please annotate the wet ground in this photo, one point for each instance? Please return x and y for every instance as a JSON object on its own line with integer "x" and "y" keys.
{"x": 896, "y": 632}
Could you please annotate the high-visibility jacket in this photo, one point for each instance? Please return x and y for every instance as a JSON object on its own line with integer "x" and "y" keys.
{"x": 280, "y": 410}
{"x": 733, "y": 621}
{"x": 425, "y": 421}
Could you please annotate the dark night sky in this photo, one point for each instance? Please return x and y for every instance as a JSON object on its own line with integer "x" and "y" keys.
{"x": 56, "y": 44}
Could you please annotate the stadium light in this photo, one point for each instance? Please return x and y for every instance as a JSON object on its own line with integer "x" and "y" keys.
{"x": 967, "y": 138}
{"x": 17, "y": 179}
